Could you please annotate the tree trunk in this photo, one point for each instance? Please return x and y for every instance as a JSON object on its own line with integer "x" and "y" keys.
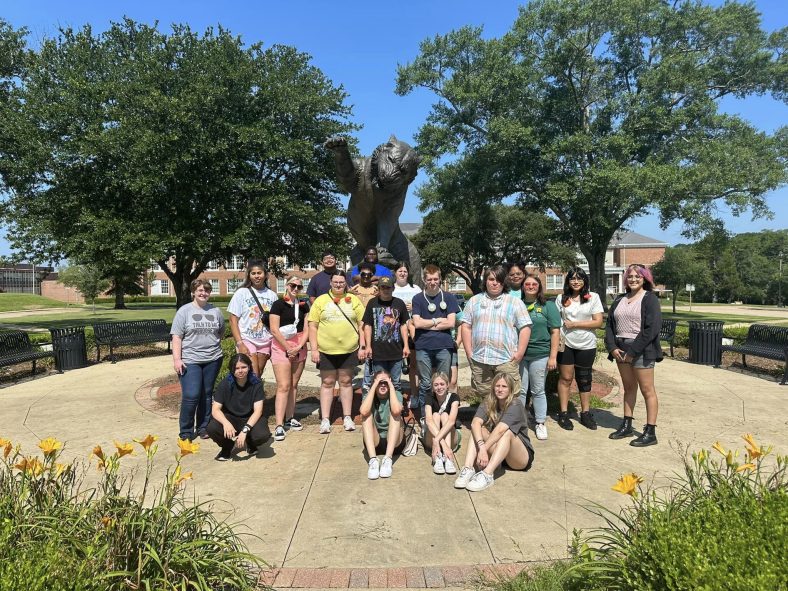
{"x": 596, "y": 273}
{"x": 119, "y": 293}
{"x": 181, "y": 278}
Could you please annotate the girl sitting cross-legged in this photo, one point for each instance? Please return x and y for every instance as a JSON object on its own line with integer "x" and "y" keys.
{"x": 500, "y": 435}
{"x": 440, "y": 422}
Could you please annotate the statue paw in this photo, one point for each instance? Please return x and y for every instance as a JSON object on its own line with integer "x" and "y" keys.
{"x": 385, "y": 257}
{"x": 334, "y": 142}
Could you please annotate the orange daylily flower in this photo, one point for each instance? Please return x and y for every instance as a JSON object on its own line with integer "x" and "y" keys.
{"x": 748, "y": 466}
{"x": 30, "y": 466}
{"x": 187, "y": 447}
{"x": 627, "y": 484}
{"x": 718, "y": 446}
{"x": 147, "y": 442}
{"x": 178, "y": 478}
{"x": 7, "y": 446}
{"x": 50, "y": 446}
{"x": 124, "y": 449}
{"x": 60, "y": 468}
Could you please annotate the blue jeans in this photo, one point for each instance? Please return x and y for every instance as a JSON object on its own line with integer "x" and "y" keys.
{"x": 429, "y": 362}
{"x": 393, "y": 368}
{"x": 533, "y": 374}
{"x": 196, "y": 396}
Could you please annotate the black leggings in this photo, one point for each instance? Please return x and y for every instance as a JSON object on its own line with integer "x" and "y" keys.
{"x": 259, "y": 434}
{"x": 583, "y": 361}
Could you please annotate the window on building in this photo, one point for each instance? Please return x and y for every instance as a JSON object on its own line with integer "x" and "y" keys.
{"x": 233, "y": 284}
{"x": 555, "y": 282}
{"x": 309, "y": 267}
{"x": 154, "y": 266}
{"x": 213, "y": 265}
{"x": 306, "y": 284}
{"x": 214, "y": 286}
{"x": 457, "y": 283}
{"x": 164, "y": 287}
{"x": 236, "y": 263}
{"x": 280, "y": 285}
{"x": 286, "y": 262}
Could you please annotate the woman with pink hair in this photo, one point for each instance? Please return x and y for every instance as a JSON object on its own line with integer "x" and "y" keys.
{"x": 632, "y": 339}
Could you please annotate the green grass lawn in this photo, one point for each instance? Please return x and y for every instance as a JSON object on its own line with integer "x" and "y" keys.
{"x": 726, "y": 318}
{"x": 84, "y": 315}
{"x": 11, "y": 302}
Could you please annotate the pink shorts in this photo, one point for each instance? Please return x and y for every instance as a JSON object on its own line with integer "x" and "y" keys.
{"x": 262, "y": 349}
{"x": 279, "y": 355}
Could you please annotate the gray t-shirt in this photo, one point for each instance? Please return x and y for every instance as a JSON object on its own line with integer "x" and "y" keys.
{"x": 201, "y": 330}
{"x": 513, "y": 417}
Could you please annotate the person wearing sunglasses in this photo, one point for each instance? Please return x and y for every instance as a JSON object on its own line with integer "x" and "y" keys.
{"x": 288, "y": 353}
{"x": 197, "y": 331}
{"x": 365, "y": 289}
{"x": 371, "y": 257}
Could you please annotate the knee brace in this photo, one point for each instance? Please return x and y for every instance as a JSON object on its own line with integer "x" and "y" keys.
{"x": 584, "y": 378}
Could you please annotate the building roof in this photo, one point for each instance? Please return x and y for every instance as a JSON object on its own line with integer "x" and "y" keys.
{"x": 633, "y": 239}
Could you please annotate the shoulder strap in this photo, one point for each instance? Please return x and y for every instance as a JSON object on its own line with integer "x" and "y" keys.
{"x": 345, "y": 315}
{"x": 259, "y": 305}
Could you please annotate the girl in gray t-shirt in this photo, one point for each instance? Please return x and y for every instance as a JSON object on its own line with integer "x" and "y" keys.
{"x": 197, "y": 331}
{"x": 500, "y": 435}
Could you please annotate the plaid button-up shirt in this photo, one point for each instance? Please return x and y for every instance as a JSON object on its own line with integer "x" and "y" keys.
{"x": 495, "y": 327}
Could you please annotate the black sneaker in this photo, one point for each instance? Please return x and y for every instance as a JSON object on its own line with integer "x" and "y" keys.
{"x": 224, "y": 456}
{"x": 587, "y": 420}
{"x": 564, "y": 421}
{"x": 251, "y": 449}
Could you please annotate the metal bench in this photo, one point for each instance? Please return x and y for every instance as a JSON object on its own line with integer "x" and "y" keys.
{"x": 130, "y": 332}
{"x": 15, "y": 347}
{"x": 764, "y": 340}
{"x": 668, "y": 332}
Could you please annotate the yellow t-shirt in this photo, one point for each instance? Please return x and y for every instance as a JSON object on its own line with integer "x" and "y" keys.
{"x": 335, "y": 335}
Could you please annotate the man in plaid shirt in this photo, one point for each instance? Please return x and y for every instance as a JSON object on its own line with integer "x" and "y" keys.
{"x": 495, "y": 331}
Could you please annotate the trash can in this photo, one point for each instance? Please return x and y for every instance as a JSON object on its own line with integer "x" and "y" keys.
{"x": 705, "y": 341}
{"x": 69, "y": 347}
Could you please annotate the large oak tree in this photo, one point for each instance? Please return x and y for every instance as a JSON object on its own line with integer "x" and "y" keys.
{"x": 600, "y": 111}
{"x": 135, "y": 144}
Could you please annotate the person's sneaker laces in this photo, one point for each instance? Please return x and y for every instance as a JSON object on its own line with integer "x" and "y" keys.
{"x": 437, "y": 465}
{"x": 449, "y": 466}
{"x": 325, "y": 426}
{"x": 349, "y": 424}
{"x": 464, "y": 478}
{"x": 279, "y": 433}
{"x": 386, "y": 468}
{"x": 294, "y": 424}
{"x": 587, "y": 420}
{"x": 373, "y": 473}
{"x": 480, "y": 481}
{"x": 541, "y": 431}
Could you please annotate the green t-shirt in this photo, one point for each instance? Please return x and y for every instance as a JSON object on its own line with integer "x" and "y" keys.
{"x": 544, "y": 318}
{"x": 381, "y": 413}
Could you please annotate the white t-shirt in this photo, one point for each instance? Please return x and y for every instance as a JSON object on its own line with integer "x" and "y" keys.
{"x": 250, "y": 321}
{"x": 579, "y": 338}
{"x": 406, "y": 293}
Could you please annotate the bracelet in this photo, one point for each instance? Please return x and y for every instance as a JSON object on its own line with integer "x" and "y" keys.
{"x": 480, "y": 442}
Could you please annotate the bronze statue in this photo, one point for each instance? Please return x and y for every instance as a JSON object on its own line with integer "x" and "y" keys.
{"x": 377, "y": 187}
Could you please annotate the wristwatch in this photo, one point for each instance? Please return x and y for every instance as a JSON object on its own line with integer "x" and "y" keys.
{"x": 246, "y": 429}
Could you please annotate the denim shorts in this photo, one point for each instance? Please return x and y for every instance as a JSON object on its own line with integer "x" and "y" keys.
{"x": 638, "y": 362}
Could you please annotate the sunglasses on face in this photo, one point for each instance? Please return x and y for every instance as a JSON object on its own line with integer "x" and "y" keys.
{"x": 295, "y": 286}
{"x": 366, "y": 274}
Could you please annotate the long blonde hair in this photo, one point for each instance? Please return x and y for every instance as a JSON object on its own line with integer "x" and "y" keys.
{"x": 493, "y": 413}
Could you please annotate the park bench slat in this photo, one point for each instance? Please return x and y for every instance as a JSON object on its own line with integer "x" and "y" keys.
{"x": 15, "y": 347}
{"x": 764, "y": 340}
{"x": 130, "y": 332}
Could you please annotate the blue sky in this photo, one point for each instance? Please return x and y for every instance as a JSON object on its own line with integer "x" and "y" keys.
{"x": 359, "y": 45}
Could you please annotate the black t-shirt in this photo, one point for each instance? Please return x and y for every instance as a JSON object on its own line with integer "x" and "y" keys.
{"x": 286, "y": 312}
{"x": 432, "y": 401}
{"x": 386, "y": 319}
{"x": 238, "y": 401}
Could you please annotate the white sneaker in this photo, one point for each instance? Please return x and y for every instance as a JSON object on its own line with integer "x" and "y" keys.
{"x": 294, "y": 425}
{"x": 373, "y": 473}
{"x": 437, "y": 465}
{"x": 464, "y": 478}
{"x": 480, "y": 481}
{"x": 325, "y": 427}
{"x": 349, "y": 424}
{"x": 449, "y": 466}
{"x": 279, "y": 433}
{"x": 541, "y": 431}
{"x": 386, "y": 467}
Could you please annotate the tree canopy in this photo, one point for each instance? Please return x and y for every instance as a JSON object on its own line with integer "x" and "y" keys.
{"x": 135, "y": 145}
{"x": 600, "y": 111}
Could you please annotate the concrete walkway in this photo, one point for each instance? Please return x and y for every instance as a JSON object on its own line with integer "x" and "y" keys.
{"x": 317, "y": 520}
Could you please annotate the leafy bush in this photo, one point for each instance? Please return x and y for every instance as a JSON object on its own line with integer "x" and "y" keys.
{"x": 55, "y": 533}
{"x": 720, "y": 525}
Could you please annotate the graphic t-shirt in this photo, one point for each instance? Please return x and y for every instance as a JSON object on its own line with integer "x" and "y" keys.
{"x": 201, "y": 331}
{"x": 250, "y": 320}
{"x": 433, "y": 340}
{"x": 386, "y": 319}
{"x": 365, "y": 294}
{"x": 337, "y": 323}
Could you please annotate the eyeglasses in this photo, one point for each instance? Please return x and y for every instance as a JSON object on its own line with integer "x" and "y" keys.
{"x": 295, "y": 286}
{"x": 366, "y": 274}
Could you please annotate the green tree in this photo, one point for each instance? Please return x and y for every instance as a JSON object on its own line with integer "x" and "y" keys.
{"x": 601, "y": 111}
{"x": 135, "y": 145}
{"x": 679, "y": 266}
{"x": 87, "y": 279}
{"x": 466, "y": 241}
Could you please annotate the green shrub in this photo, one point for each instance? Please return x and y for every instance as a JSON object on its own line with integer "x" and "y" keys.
{"x": 57, "y": 533}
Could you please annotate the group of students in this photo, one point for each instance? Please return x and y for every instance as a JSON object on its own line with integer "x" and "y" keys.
{"x": 511, "y": 333}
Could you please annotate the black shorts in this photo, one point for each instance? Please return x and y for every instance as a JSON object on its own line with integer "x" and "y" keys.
{"x": 581, "y": 357}
{"x": 339, "y": 361}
